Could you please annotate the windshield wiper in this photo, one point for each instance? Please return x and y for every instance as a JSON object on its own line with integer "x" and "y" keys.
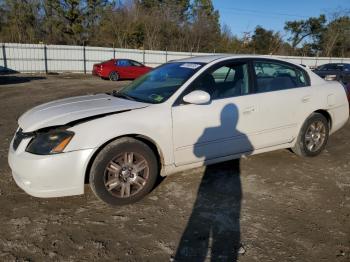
{"x": 121, "y": 95}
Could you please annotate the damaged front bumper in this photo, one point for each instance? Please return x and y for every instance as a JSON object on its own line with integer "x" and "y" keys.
{"x": 49, "y": 175}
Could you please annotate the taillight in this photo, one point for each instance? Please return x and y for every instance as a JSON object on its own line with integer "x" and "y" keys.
{"x": 98, "y": 67}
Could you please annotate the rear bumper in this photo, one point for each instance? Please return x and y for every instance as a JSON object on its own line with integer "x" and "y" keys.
{"x": 96, "y": 73}
{"x": 100, "y": 74}
{"x": 50, "y": 175}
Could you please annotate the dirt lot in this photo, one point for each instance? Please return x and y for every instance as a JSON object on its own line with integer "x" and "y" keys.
{"x": 278, "y": 206}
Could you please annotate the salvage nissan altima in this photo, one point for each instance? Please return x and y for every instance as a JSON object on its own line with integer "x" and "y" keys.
{"x": 181, "y": 115}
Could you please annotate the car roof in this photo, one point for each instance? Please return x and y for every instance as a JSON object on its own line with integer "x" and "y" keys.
{"x": 208, "y": 58}
{"x": 340, "y": 64}
{"x": 201, "y": 59}
{"x": 222, "y": 57}
{"x": 211, "y": 58}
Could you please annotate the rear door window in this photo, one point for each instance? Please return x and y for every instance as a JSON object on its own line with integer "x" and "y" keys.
{"x": 274, "y": 76}
{"x": 340, "y": 67}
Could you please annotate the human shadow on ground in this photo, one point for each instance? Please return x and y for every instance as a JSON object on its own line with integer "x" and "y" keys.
{"x": 213, "y": 229}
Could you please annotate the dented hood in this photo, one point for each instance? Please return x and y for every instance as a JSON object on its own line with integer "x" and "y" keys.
{"x": 61, "y": 112}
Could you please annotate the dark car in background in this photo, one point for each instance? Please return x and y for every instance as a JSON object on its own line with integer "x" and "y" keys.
{"x": 334, "y": 71}
{"x": 115, "y": 69}
{"x": 347, "y": 90}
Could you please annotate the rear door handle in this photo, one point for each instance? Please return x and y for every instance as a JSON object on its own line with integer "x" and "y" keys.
{"x": 249, "y": 109}
{"x": 306, "y": 99}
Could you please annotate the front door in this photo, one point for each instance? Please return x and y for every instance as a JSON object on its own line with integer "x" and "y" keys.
{"x": 138, "y": 69}
{"x": 124, "y": 68}
{"x": 221, "y": 127}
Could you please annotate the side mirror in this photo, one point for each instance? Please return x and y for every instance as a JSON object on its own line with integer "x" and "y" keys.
{"x": 197, "y": 97}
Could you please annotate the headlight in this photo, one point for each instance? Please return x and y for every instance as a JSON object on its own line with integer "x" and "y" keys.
{"x": 51, "y": 142}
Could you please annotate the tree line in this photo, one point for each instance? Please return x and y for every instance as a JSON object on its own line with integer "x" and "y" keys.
{"x": 174, "y": 25}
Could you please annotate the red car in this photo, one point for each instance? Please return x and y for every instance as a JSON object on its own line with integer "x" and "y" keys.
{"x": 116, "y": 69}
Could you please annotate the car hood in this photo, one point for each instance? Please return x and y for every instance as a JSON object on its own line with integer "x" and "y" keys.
{"x": 64, "y": 111}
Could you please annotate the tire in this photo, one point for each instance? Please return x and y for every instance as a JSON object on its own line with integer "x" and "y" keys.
{"x": 313, "y": 136}
{"x": 114, "y": 76}
{"x": 115, "y": 168}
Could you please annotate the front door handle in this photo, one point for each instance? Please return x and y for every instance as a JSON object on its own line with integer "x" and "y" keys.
{"x": 306, "y": 99}
{"x": 249, "y": 109}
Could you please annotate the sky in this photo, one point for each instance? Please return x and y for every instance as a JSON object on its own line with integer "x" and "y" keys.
{"x": 244, "y": 15}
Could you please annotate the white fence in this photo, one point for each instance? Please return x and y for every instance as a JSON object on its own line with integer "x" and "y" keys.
{"x": 31, "y": 58}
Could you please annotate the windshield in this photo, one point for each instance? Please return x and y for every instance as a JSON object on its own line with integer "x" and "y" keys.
{"x": 159, "y": 84}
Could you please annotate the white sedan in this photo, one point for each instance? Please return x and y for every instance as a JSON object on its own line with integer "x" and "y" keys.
{"x": 181, "y": 115}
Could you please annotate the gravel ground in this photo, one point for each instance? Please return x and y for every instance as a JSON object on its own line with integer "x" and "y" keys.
{"x": 269, "y": 207}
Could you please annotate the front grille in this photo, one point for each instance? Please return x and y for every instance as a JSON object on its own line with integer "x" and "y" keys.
{"x": 19, "y": 136}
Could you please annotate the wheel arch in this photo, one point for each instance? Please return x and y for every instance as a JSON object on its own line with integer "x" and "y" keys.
{"x": 323, "y": 112}
{"x": 145, "y": 139}
{"x": 327, "y": 115}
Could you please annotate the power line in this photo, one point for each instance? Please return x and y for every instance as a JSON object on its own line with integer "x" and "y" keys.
{"x": 260, "y": 12}
{"x": 262, "y": 16}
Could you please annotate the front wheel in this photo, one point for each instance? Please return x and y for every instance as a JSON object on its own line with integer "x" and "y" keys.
{"x": 312, "y": 137}
{"x": 123, "y": 172}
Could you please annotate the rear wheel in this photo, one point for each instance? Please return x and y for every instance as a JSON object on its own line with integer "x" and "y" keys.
{"x": 124, "y": 172}
{"x": 114, "y": 76}
{"x": 313, "y": 136}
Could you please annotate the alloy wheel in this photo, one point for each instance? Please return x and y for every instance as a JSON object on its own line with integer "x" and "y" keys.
{"x": 315, "y": 136}
{"x": 126, "y": 174}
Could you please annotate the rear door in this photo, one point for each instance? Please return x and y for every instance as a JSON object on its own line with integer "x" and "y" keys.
{"x": 284, "y": 95}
